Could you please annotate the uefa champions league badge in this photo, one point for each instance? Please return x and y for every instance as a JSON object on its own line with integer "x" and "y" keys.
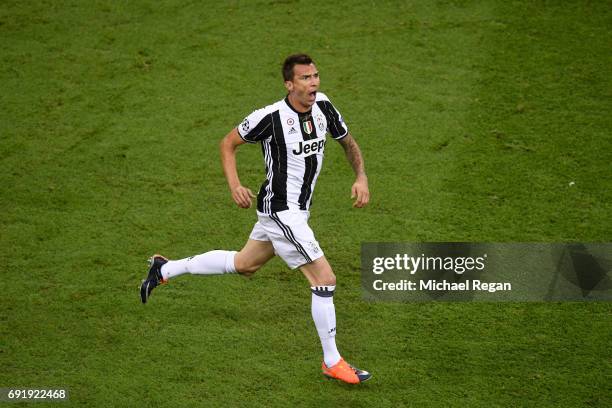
{"x": 245, "y": 125}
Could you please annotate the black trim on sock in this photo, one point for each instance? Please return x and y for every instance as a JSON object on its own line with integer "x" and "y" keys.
{"x": 322, "y": 291}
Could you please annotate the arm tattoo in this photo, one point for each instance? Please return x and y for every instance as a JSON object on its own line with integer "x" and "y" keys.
{"x": 353, "y": 154}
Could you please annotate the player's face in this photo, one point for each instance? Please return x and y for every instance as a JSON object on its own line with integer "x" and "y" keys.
{"x": 304, "y": 86}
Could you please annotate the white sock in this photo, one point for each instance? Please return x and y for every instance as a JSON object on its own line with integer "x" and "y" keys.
{"x": 324, "y": 316}
{"x": 210, "y": 263}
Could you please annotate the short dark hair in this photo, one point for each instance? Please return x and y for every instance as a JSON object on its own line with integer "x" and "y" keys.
{"x": 292, "y": 61}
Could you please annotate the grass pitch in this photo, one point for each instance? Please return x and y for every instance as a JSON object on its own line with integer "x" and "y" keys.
{"x": 474, "y": 118}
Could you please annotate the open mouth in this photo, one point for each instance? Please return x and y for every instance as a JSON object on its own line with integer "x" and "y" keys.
{"x": 312, "y": 94}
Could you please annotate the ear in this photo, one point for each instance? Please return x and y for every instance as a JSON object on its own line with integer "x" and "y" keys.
{"x": 289, "y": 85}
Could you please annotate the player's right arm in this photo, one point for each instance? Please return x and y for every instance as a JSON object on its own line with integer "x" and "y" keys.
{"x": 254, "y": 128}
{"x": 240, "y": 194}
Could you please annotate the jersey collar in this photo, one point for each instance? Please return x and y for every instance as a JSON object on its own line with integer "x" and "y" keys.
{"x": 293, "y": 109}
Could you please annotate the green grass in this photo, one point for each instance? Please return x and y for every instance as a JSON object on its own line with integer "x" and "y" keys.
{"x": 474, "y": 117}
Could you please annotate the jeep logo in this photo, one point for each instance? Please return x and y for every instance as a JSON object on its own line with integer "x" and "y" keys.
{"x": 310, "y": 147}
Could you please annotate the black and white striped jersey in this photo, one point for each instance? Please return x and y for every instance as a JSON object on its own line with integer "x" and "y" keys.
{"x": 292, "y": 144}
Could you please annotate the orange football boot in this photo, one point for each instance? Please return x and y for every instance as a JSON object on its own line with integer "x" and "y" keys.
{"x": 343, "y": 371}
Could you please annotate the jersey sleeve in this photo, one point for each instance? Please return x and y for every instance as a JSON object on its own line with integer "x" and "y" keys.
{"x": 335, "y": 124}
{"x": 256, "y": 127}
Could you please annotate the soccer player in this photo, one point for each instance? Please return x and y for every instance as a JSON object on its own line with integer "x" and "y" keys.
{"x": 292, "y": 133}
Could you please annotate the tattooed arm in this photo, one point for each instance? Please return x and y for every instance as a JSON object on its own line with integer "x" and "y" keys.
{"x": 359, "y": 190}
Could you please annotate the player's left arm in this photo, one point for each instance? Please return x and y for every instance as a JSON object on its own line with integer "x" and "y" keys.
{"x": 359, "y": 190}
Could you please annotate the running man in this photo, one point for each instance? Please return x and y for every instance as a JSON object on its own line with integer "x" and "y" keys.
{"x": 292, "y": 133}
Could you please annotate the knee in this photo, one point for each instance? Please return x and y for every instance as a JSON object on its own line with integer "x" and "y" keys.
{"x": 319, "y": 273}
{"x": 245, "y": 269}
{"x": 326, "y": 278}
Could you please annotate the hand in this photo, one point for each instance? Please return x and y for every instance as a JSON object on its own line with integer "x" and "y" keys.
{"x": 361, "y": 192}
{"x": 242, "y": 196}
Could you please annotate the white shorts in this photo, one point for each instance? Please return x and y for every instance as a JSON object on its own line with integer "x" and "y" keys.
{"x": 292, "y": 238}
